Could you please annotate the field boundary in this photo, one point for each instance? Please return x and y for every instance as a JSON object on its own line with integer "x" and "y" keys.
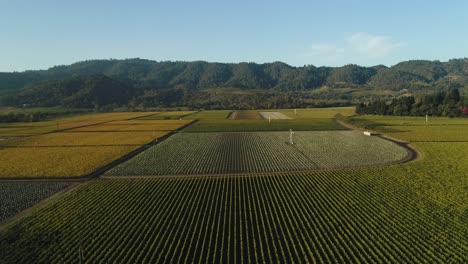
{"x": 102, "y": 170}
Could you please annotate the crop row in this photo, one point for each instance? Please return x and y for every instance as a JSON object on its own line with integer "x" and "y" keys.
{"x": 323, "y": 217}
{"x": 17, "y": 196}
{"x": 214, "y": 153}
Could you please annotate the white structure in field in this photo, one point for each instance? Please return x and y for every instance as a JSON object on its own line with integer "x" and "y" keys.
{"x": 367, "y": 133}
{"x": 291, "y": 133}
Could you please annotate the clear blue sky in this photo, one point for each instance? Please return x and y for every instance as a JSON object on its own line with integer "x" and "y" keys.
{"x": 40, "y": 34}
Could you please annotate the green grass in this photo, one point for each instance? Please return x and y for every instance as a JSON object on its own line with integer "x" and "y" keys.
{"x": 205, "y": 153}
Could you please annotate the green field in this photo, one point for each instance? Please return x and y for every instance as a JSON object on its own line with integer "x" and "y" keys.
{"x": 306, "y": 120}
{"x": 245, "y": 114}
{"x": 207, "y": 153}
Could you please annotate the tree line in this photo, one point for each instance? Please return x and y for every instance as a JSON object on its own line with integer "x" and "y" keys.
{"x": 443, "y": 103}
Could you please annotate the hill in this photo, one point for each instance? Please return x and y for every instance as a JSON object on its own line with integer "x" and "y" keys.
{"x": 150, "y": 83}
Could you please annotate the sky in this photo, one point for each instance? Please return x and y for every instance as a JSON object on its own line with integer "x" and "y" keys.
{"x": 41, "y": 34}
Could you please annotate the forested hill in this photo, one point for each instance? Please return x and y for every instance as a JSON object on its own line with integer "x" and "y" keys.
{"x": 133, "y": 78}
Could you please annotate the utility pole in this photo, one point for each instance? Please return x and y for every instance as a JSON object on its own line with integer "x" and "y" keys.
{"x": 269, "y": 118}
{"x": 427, "y": 118}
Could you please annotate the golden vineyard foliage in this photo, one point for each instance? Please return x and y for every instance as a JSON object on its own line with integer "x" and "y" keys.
{"x": 167, "y": 115}
{"x": 53, "y": 162}
{"x": 66, "y": 148}
{"x": 87, "y": 138}
{"x": 137, "y": 125}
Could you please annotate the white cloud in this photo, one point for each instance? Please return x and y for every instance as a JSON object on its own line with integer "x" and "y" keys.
{"x": 372, "y": 45}
{"x": 356, "y": 48}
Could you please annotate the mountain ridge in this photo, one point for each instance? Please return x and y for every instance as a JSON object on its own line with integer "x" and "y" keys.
{"x": 142, "y": 77}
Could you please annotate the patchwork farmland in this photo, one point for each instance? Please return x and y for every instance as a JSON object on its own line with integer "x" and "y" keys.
{"x": 233, "y": 190}
{"x": 78, "y": 146}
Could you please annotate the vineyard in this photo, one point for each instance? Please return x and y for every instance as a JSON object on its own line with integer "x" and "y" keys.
{"x": 207, "y": 153}
{"x": 335, "y": 196}
{"x": 86, "y": 139}
{"x": 324, "y": 217}
{"x": 17, "y": 196}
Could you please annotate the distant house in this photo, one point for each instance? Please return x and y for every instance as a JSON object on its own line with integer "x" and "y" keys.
{"x": 25, "y": 105}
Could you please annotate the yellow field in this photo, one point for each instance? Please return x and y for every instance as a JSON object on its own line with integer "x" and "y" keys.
{"x": 57, "y": 161}
{"x": 65, "y": 147}
{"x": 86, "y": 139}
{"x": 167, "y": 115}
{"x": 137, "y": 125}
{"x": 25, "y": 131}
